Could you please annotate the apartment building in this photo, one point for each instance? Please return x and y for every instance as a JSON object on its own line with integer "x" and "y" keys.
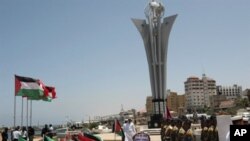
{"x": 176, "y": 102}
{"x": 231, "y": 92}
{"x": 198, "y": 91}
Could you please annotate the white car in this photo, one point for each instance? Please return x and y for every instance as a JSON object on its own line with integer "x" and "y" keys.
{"x": 63, "y": 132}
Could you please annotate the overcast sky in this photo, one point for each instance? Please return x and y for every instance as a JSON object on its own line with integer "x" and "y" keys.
{"x": 94, "y": 55}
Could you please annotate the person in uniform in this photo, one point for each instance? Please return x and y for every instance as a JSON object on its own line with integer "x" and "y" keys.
{"x": 181, "y": 131}
{"x": 214, "y": 134}
{"x": 237, "y": 120}
{"x": 188, "y": 131}
{"x": 163, "y": 127}
{"x": 168, "y": 131}
{"x": 204, "y": 131}
{"x": 174, "y": 131}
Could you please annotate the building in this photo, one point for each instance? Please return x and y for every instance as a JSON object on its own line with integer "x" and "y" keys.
{"x": 198, "y": 91}
{"x": 231, "y": 92}
{"x": 176, "y": 102}
{"x": 215, "y": 101}
{"x": 149, "y": 105}
{"x": 172, "y": 101}
{"x": 246, "y": 94}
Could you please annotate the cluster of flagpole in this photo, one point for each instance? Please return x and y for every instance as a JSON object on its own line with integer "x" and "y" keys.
{"x": 32, "y": 89}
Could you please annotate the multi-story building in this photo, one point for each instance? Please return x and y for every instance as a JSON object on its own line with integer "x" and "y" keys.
{"x": 215, "y": 101}
{"x": 176, "y": 102}
{"x": 246, "y": 94}
{"x": 172, "y": 99}
{"x": 149, "y": 105}
{"x": 231, "y": 92}
{"x": 198, "y": 91}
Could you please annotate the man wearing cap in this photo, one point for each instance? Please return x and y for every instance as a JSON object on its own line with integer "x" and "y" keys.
{"x": 237, "y": 120}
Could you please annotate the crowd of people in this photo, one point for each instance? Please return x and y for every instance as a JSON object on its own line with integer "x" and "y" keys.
{"x": 48, "y": 131}
{"x": 24, "y": 133}
{"x": 180, "y": 130}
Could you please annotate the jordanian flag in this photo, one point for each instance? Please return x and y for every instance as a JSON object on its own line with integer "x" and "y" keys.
{"x": 28, "y": 87}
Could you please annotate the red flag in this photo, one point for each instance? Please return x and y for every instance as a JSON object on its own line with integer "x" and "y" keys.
{"x": 118, "y": 129}
{"x": 50, "y": 91}
{"x": 167, "y": 114}
{"x": 83, "y": 138}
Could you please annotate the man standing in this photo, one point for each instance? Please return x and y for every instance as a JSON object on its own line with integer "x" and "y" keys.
{"x": 51, "y": 131}
{"x": 45, "y": 131}
{"x": 5, "y": 134}
{"x": 237, "y": 120}
{"x": 16, "y": 134}
{"x": 130, "y": 130}
{"x": 125, "y": 130}
{"x": 31, "y": 133}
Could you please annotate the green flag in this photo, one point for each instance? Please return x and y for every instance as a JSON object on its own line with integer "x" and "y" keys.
{"x": 46, "y": 138}
{"x": 21, "y": 139}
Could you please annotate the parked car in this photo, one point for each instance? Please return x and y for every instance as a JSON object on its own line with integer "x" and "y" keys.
{"x": 101, "y": 129}
{"x": 63, "y": 132}
{"x": 87, "y": 131}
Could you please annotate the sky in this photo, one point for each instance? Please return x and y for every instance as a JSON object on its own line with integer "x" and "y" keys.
{"x": 94, "y": 56}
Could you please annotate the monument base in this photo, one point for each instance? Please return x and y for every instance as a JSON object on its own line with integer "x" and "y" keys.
{"x": 155, "y": 121}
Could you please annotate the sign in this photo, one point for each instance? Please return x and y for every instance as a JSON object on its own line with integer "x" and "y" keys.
{"x": 141, "y": 136}
{"x": 239, "y": 132}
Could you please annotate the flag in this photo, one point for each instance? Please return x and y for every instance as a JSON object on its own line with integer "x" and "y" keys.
{"x": 28, "y": 87}
{"x": 93, "y": 137}
{"x": 118, "y": 129}
{"x": 46, "y": 138}
{"x": 49, "y": 93}
{"x": 167, "y": 114}
{"x": 21, "y": 139}
{"x": 88, "y": 137}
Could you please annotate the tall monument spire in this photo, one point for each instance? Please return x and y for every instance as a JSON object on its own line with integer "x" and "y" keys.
{"x": 155, "y": 34}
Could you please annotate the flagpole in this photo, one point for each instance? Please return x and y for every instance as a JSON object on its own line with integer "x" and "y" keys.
{"x": 27, "y": 114}
{"x": 27, "y": 111}
{"x": 115, "y": 128}
{"x": 30, "y": 112}
{"x": 22, "y": 114}
{"x": 14, "y": 110}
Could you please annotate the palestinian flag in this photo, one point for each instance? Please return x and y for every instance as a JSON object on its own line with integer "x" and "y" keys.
{"x": 93, "y": 137}
{"x": 21, "y": 139}
{"x": 28, "y": 87}
{"x": 46, "y": 138}
{"x": 49, "y": 93}
{"x": 88, "y": 137}
{"x": 118, "y": 129}
{"x": 167, "y": 114}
